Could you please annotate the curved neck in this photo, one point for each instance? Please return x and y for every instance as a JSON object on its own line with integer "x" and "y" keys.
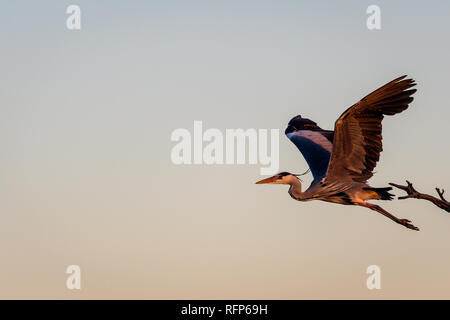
{"x": 295, "y": 189}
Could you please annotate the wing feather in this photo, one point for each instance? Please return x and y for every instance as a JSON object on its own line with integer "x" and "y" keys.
{"x": 357, "y": 140}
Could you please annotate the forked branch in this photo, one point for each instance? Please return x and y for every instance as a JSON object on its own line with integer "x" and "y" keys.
{"x": 413, "y": 193}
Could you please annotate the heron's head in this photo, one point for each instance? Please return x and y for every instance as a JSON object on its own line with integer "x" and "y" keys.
{"x": 281, "y": 178}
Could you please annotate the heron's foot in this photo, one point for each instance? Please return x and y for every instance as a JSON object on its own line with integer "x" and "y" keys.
{"x": 408, "y": 224}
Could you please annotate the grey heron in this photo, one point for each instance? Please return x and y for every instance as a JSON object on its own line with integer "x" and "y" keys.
{"x": 341, "y": 161}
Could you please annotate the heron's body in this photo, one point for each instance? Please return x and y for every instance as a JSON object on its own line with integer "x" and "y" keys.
{"x": 342, "y": 160}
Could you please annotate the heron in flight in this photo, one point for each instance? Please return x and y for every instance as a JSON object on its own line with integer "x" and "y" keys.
{"x": 341, "y": 161}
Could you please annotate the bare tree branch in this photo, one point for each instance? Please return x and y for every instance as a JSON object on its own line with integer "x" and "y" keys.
{"x": 441, "y": 194}
{"x": 413, "y": 193}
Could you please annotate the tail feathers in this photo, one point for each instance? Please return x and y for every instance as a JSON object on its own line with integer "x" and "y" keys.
{"x": 382, "y": 193}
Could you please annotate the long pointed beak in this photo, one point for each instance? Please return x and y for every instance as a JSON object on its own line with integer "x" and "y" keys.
{"x": 268, "y": 180}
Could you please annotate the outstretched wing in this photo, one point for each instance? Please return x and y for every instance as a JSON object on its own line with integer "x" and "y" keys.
{"x": 357, "y": 133}
{"x": 314, "y": 143}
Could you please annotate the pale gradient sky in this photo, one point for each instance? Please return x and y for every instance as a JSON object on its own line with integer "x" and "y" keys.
{"x": 86, "y": 176}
